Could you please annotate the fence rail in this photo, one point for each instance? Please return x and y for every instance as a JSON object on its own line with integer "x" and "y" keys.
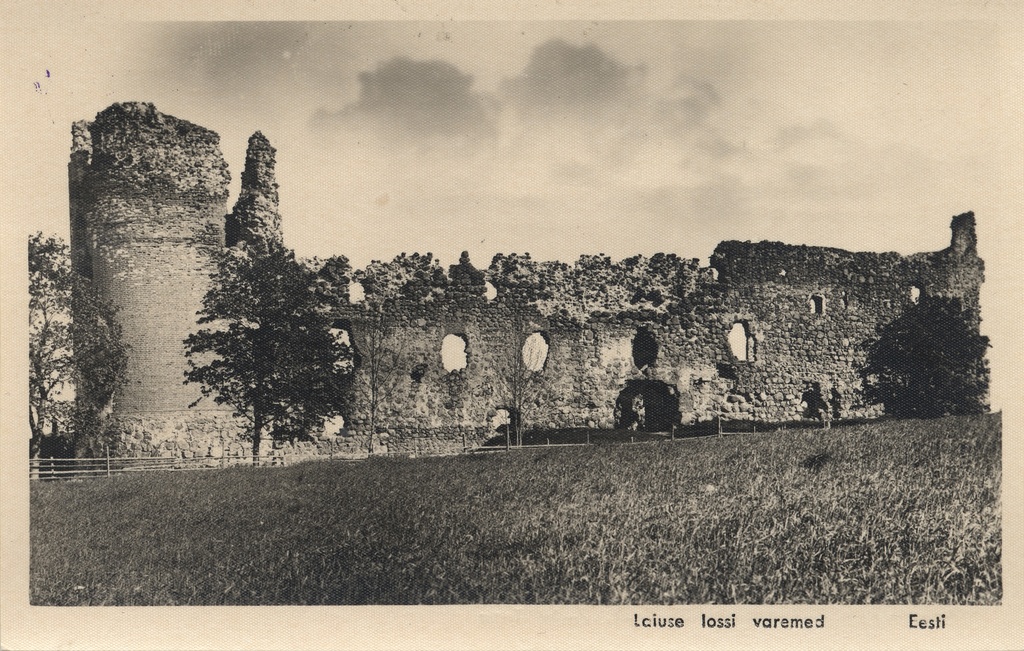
{"x": 108, "y": 466}
{"x": 85, "y": 468}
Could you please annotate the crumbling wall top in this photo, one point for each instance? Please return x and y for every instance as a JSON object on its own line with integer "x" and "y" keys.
{"x": 760, "y": 262}
{"x": 466, "y": 277}
{"x": 81, "y": 140}
{"x": 136, "y": 146}
{"x": 965, "y": 239}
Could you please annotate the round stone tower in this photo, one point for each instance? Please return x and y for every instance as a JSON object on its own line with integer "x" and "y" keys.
{"x": 148, "y": 198}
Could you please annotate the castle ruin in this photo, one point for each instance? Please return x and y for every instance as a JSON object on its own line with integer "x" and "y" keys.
{"x": 647, "y": 343}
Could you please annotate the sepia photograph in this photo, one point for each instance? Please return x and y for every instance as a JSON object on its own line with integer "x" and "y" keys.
{"x": 695, "y": 320}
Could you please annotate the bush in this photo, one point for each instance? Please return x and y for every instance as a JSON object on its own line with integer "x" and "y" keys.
{"x": 929, "y": 362}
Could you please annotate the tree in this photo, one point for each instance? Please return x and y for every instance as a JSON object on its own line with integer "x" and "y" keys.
{"x": 50, "y": 351}
{"x": 929, "y": 362}
{"x": 75, "y": 349}
{"x": 381, "y": 358}
{"x": 519, "y": 366}
{"x": 269, "y": 352}
{"x": 100, "y": 362}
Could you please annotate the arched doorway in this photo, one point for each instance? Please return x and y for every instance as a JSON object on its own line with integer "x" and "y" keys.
{"x": 647, "y": 406}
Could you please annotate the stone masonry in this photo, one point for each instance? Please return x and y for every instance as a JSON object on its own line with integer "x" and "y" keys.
{"x": 645, "y": 343}
{"x": 148, "y": 196}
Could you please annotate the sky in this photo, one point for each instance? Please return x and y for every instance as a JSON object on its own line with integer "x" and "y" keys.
{"x": 562, "y": 138}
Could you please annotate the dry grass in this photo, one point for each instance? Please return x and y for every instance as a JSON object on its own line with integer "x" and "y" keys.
{"x": 889, "y": 512}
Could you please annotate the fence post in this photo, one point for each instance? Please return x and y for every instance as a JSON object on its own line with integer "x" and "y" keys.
{"x": 106, "y": 449}
{"x": 588, "y": 437}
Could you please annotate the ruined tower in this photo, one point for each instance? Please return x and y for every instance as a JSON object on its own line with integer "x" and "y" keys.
{"x": 148, "y": 197}
{"x": 255, "y": 219}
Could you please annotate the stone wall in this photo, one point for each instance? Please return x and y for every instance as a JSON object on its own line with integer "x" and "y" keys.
{"x": 807, "y": 314}
{"x": 815, "y": 310}
{"x": 768, "y": 332}
{"x": 215, "y": 435}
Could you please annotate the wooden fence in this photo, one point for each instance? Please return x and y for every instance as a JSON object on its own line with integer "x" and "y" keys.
{"x": 107, "y": 466}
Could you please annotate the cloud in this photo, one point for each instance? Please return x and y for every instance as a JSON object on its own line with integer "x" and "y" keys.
{"x": 688, "y": 104}
{"x": 581, "y": 78}
{"x": 795, "y": 134}
{"x": 583, "y": 117}
{"x": 720, "y": 199}
{"x": 574, "y": 173}
{"x": 233, "y": 58}
{"x": 417, "y": 99}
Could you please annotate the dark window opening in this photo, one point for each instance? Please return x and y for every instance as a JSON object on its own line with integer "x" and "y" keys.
{"x": 85, "y": 269}
{"x": 418, "y": 372}
{"x": 725, "y": 371}
{"x": 817, "y": 304}
{"x": 82, "y": 262}
{"x": 232, "y": 231}
{"x": 645, "y": 348}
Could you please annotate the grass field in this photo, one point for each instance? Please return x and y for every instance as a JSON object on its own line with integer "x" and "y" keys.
{"x": 888, "y": 512}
